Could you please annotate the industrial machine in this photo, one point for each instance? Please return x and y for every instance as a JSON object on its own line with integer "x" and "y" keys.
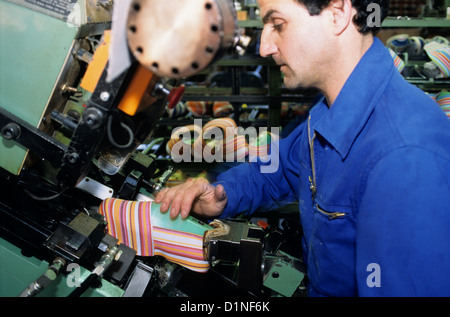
{"x": 82, "y": 84}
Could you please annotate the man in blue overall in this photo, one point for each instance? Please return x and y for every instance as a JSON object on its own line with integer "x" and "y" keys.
{"x": 370, "y": 167}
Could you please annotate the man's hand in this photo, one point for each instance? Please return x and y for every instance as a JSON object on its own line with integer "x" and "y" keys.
{"x": 196, "y": 195}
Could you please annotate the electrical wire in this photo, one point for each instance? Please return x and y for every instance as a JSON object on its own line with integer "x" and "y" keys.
{"x": 151, "y": 144}
{"x": 40, "y": 198}
{"x": 111, "y": 138}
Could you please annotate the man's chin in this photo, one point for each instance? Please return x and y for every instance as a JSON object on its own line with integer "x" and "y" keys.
{"x": 291, "y": 85}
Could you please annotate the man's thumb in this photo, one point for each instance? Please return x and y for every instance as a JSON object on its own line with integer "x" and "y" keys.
{"x": 219, "y": 193}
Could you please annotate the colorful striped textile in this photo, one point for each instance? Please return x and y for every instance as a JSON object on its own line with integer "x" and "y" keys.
{"x": 197, "y": 108}
{"x": 439, "y": 53}
{"x": 222, "y": 109}
{"x": 218, "y": 140}
{"x": 443, "y": 100}
{"x": 398, "y": 62}
{"x": 142, "y": 227}
{"x": 236, "y": 148}
{"x": 416, "y": 46}
{"x": 195, "y": 132}
{"x": 227, "y": 126}
{"x": 231, "y": 143}
{"x": 178, "y": 111}
{"x": 261, "y": 146}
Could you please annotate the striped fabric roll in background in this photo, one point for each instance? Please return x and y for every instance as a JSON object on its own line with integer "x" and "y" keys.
{"x": 439, "y": 53}
{"x": 398, "y": 62}
{"x": 443, "y": 100}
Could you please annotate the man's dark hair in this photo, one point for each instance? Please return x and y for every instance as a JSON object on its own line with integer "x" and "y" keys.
{"x": 360, "y": 19}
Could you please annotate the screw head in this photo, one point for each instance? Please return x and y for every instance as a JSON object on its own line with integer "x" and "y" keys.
{"x": 73, "y": 157}
{"x": 11, "y": 131}
{"x": 104, "y": 96}
{"x": 92, "y": 117}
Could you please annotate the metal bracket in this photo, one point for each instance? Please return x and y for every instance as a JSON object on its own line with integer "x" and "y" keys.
{"x": 139, "y": 280}
{"x": 18, "y": 130}
{"x": 238, "y": 242}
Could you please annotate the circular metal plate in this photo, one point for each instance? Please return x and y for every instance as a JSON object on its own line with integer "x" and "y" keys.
{"x": 178, "y": 38}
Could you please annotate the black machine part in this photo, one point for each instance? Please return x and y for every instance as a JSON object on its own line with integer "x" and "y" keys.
{"x": 242, "y": 242}
{"x": 81, "y": 235}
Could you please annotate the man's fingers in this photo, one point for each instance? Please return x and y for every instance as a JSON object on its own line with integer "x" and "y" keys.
{"x": 160, "y": 195}
{"x": 175, "y": 206}
{"x": 163, "y": 197}
{"x": 182, "y": 201}
{"x": 195, "y": 194}
{"x": 188, "y": 199}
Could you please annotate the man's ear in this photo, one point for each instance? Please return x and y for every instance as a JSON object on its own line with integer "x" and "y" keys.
{"x": 342, "y": 13}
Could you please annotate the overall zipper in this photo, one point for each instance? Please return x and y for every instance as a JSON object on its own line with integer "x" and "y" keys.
{"x": 312, "y": 180}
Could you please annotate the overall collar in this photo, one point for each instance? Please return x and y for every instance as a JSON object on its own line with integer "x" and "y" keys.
{"x": 342, "y": 122}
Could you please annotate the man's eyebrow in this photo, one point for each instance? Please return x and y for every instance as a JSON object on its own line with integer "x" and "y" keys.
{"x": 268, "y": 15}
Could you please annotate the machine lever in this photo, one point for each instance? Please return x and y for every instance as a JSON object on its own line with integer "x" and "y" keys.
{"x": 173, "y": 94}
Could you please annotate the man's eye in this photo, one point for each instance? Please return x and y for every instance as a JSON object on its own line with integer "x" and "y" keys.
{"x": 278, "y": 27}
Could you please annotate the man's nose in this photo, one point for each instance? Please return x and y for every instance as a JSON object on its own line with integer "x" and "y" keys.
{"x": 267, "y": 46}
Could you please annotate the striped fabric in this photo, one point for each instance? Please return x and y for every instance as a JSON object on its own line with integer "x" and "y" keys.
{"x": 236, "y": 147}
{"x": 195, "y": 132}
{"x": 220, "y": 139}
{"x": 439, "y": 53}
{"x": 197, "y": 108}
{"x": 443, "y": 100}
{"x": 134, "y": 224}
{"x": 178, "y": 111}
{"x": 261, "y": 146}
{"x": 222, "y": 109}
{"x": 231, "y": 143}
{"x": 223, "y": 124}
{"x": 398, "y": 62}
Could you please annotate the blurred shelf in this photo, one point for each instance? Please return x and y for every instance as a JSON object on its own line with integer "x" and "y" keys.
{"x": 389, "y": 22}
{"x": 246, "y": 60}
